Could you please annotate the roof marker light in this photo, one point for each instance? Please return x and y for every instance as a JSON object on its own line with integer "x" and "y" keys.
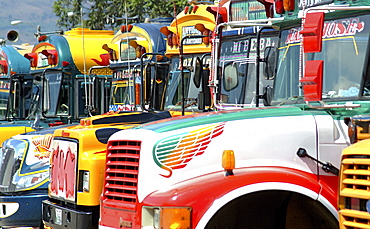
{"x": 228, "y": 161}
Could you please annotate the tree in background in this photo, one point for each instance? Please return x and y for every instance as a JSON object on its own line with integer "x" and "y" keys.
{"x": 97, "y": 14}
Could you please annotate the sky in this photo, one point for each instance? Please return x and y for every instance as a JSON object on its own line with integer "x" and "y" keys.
{"x": 32, "y": 13}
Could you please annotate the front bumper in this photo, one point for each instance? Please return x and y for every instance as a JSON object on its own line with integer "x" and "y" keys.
{"x": 58, "y": 217}
{"x": 21, "y": 211}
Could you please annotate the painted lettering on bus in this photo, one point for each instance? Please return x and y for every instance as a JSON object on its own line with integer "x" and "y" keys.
{"x": 63, "y": 171}
{"x": 337, "y": 28}
{"x": 311, "y": 3}
{"x": 242, "y": 46}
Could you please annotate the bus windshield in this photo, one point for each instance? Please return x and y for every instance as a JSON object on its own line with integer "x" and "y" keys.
{"x": 238, "y": 69}
{"x": 123, "y": 93}
{"x": 344, "y": 52}
{"x": 173, "y": 98}
{"x": 20, "y": 98}
{"x": 4, "y": 96}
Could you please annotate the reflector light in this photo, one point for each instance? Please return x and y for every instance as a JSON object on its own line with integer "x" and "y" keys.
{"x": 186, "y": 9}
{"x": 55, "y": 124}
{"x": 65, "y": 63}
{"x": 195, "y": 8}
{"x": 279, "y": 6}
{"x": 88, "y": 122}
{"x": 125, "y": 29}
{"x": 190, "y": 9}
{"x": 85, "y": 122}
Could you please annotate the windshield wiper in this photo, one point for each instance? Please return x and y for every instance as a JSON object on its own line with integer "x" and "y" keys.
{"x": 292, "y": 100}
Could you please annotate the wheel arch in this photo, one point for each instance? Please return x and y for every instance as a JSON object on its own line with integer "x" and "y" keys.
{"x": 221, "y": 202}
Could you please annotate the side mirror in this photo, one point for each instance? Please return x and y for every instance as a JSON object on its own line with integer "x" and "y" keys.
{"x": 147, "y": 83}
{"x": 230, "y": 77}
{"x": 268, "y": 92}
{"x": 270, "y": 59}
{"x": 197, "y": 71}
{"x": 200, "y": 101}
{"x": 46, "y": 96}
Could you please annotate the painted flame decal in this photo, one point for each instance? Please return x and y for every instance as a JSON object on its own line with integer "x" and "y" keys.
{"x": 177, "y": 151}
{"x": 42, "y": 145}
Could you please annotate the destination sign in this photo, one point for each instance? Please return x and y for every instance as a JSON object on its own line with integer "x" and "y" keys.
{"x": 242, "y": 49}
{"x": 191, "y": 31}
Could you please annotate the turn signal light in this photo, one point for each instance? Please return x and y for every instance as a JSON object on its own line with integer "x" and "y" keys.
{"x": 288, "y": 5}
{"x": 175, "y": 217}
{"x": 358, "y": 127}
{"x": 85, "y": 122}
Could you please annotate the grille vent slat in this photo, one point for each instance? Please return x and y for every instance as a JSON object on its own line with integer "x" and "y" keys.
{"x": 355, "y": 189}
{"x": 122, "y": 172}
{"x": 356, "y": 173}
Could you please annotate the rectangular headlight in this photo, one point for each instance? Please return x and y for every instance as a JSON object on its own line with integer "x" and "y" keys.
{"x": 84, "y": 181}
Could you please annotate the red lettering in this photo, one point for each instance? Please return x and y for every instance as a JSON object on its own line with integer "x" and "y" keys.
{"x": 342, "y": 28}
{"x": 54, "y": 167}
{"x": 61, "y": 171}
{"x": 70, "y": 166}
{"x": 293, "y": 37}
